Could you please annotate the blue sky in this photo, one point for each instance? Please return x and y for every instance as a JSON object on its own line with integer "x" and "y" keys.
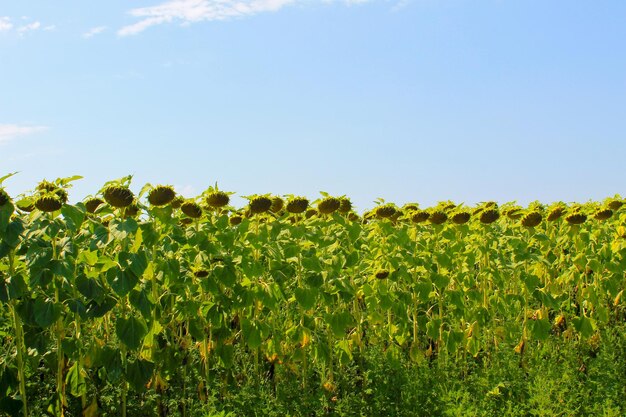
{"x": 409, "y": 100}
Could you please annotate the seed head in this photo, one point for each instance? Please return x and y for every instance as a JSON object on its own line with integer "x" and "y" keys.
{"x": 461, "y": 217}
{"x": 382, "y": 273}
{"x": 353, "y": 217}
{"x": 438, "y": 217}
{"x": 277, "y": 204}
{"x": 260, "y": 204}
{"x": 419, "y": 216}
{"x": 310, "y": 213}
{"x": 161, "y": 195}
{"x": 235, "y": 219}
{"x": 604, "y": 214}
{"x": 177, "y": 202}
{"x": 328, "y": 205}
{"x": 191, "y": 209}
{"x": 48, "y": 203}
{"x": 489, "y": 216}
{"x": 217, "y": 199}
{"x": 200, "y": 273}
{"x": 385, "y": 211}
{"x": 576, "y": 218}
{"x": 556, "y": 213}
{"x": 118, "y": 196}
{"x": 615, "y": 204}
{"x": 532, "y": 219}
{"x": 186, "y": 221}
{"x": 92, "y": 204}
{"x": 514, "y": 213}
{"x": 410, "y": 207}
{"x": 4, "y": 197}
{"x": 132, "y": 210}
{"x": 297, "y": 205}
{"x": 345, "y": 205}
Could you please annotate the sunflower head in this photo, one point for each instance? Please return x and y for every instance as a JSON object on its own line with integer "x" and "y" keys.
{"x": 277, "y": 204}
{"x": 385, "y": 211}
{"x": 191, "y": 209}
{"x": 489, "y": 215}
{"x": 532, "y": 219}
{"x": 328, "y": 205}
{"x": 118, "y": 196}
{"x": 514, "y": 212}
{"x": 161, "y": 195}
{"x": 177, "y": 202}
{"x": 438, "y": 217}
{"x": 615, "y": 204}
{"x": 345, "y": 205}
{"x": 353, "y": 217}
{"x": 297, "y": 205}
{"x": 461, "y": 217}
{"x": 132, "y": 210}
{"x": 556, "y": 213}
{"x": 310, "y": 213}
{"x": 47, "y": 188}
{"x": 410, "y": 207}
{"x": 217, "y": 199}
{"x": 259, "y": 204}
{"x": 419, "y": 216}
{"x": 4, "y": 197}
{"x": 235, "y": 219}
{"x": 48, "y": 203}
{"x": 576, "y": 218}
{"x": 603, "y": 214}
{"x": 200, "y": 272}
{"x": 92, "y": 204}
{"x": 382, "y": 273}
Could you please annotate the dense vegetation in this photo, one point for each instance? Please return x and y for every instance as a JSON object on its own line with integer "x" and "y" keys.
{"x": 158, "y": 305}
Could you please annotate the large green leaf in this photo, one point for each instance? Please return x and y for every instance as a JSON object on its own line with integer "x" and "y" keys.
{"x": 75, "y": 380}
{"x": 138, "y": 373}
{"x": 122, "y": 281}
{"x": 131, "y": 331}
{"x": 46, "y": 312}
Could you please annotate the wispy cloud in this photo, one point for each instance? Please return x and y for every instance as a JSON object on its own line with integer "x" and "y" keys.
{"x": 94, "y": 31}
{"x": 5, "y": 24}
{"x": 10, "y": 132}
{"x": 191, "y": 11}
{"x": 29, "y": 27}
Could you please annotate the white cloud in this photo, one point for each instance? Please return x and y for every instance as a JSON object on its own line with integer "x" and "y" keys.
{"x": 94, "y": 31}
{"x": 9, "y": 132}
{"x": 29, "y": 27}
{"x": 191, "y": 11}
{"x": 49, "y": 27}
{"x": 5, "y": 24}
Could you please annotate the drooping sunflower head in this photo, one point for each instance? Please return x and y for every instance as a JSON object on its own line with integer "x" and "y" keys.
{"x": 615, "y": 203}
{"x": 49, "y": 189}
{"x": 277, "y": 204}
{"x": 93, "y": 203}
{"x": 461, "y": 217}
{"x": 489, "y": 215}
{"x": 177, "y": 202}
{"x": 235, "y": 219}
{"x": 132, "y": 210}
{"x": 603, "y": 214}
{"x": 311, "y": 213}
{"x": 513, "y": 212}
{"x": 382, "y": 273}
{"x": 161, "y": 195}
{"x": 328, "y": 205}
{"x": 532, "y": 219}
{"x": 118, "y": 196}
{"x": 556, "y": 213}
{"x": 353, "y": 217}
{"x": 438, "y": 217}
{"x": 407, "y": 208}
{"x": 419, "y": 216}
{"x": 259, "y": 204}
{"x": 191, "y": 209}
{"x": 345, "y": 205}
{"x": 4, "y": 197}
{"x": 385, "y": 211}
{"x": 297, "y": 205}
{"x": 199, "y": 272}
{"x": 576, "y": 218}
{"x": 48, "y": 203}
{"x": 217, "y": 199}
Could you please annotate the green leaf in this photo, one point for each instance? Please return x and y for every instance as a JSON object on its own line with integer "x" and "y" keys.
{"x": 251, "y": 333}
{"x": 74, "y": 217}
{"x": 306, "y": 297}
{"x": 5, "y": 216}
{"x": 584, "y": 325}
{"x": 13, "y": 233}
{"x": 46, "y": 312}
{"x": 131, "y": 331}
{"x": 138, "y": 373}
{"x": 540, "y": 329}
{"x": 121, "y": 281}
{"x": 139, "y": 300}
{"x": 75, "y": 380}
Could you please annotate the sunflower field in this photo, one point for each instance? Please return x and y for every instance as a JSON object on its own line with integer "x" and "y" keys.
{"x": 150, "y": 304}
